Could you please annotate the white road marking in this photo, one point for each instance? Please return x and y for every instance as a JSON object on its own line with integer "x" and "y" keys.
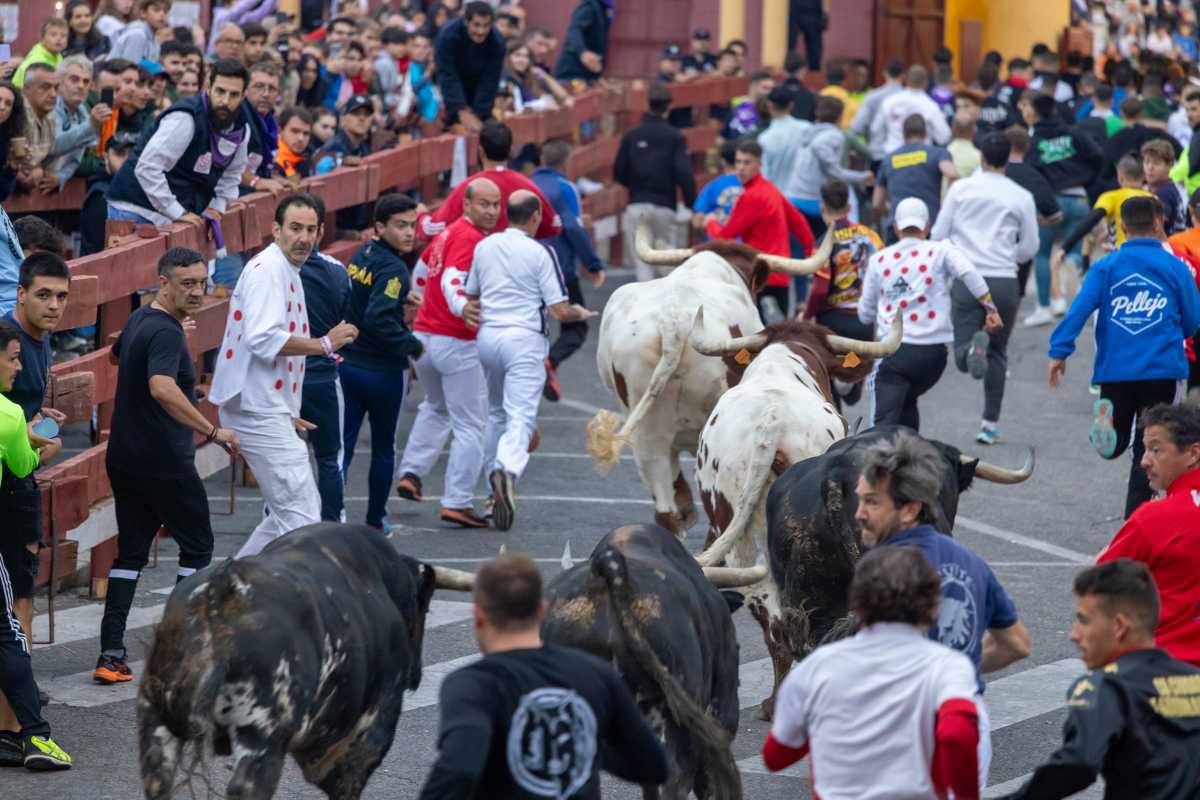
{"x": 1026, "y": 541}
{"x": 83, "y": 622}
{"x": 579, "y": 405}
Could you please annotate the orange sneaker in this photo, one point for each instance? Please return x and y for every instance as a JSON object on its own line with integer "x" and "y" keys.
{"x": 464, "y": 517}
{"x": 110, "y": 670}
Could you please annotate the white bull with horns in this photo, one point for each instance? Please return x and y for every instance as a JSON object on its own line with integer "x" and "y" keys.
{"x": 667, "y": 389}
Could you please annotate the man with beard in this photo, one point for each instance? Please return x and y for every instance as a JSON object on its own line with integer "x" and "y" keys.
{"x": 192, "y": 161}
{"x": 260, "y": 368}
{"x": 897, "y": 505}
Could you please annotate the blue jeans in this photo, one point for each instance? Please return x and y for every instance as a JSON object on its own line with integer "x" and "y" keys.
{"x": 321, "y": 404}
{"x": 1074, "y": 210}
{"x": 127, "y": 216}
{"x": 377, "y": 395}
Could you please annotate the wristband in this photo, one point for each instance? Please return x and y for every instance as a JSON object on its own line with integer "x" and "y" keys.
{"x": 327, "y": 346}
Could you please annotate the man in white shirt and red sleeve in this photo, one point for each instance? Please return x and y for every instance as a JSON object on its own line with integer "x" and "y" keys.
{"x": 514, "y": 281}
{"x": 260, "y": 372}
{"x": 887, "y": 712}
{"x": 913, "y": 278}
{"x": 449, "y": 369}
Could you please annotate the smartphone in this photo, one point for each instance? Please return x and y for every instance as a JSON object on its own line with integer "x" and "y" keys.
{"x": 106, "y": 96}
{"x": 282, "y": 48}
{"x": 47, "y": 428}
{"x": 5, "y": 52}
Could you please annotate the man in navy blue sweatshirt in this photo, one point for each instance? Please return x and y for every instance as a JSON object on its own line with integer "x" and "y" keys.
{"x": 1148, "y": 304}
{"x": 573, "y": 244}
{"x": 375, "y": 371}
{"x": 469, "y": 56}
{"x": 326, "y": 289}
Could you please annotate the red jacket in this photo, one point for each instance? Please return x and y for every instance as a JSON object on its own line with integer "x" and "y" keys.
{"x": 508, "y": 181}
{"x": 762, "y": 218}
{"x": 1165, "y": 535}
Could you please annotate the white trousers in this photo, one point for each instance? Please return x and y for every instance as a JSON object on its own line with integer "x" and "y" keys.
{"x": 455, "y": 401}
{"x": 664, "y": 232}
{"x": 514, "y": 364}
{"x": 279, "y": 460}
{"x": 984, "y": 752}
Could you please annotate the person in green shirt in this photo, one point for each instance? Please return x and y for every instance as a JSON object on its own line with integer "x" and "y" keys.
{"x": 31, "y": 745}
{"x": 47, "y": 51}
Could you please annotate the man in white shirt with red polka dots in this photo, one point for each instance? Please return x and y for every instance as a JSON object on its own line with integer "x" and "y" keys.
{"x": 260, "y": 372}
{"x": 913, "y": 277}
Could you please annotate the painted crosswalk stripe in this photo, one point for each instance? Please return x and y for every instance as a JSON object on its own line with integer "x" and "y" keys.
{"x": 83, "y": 622}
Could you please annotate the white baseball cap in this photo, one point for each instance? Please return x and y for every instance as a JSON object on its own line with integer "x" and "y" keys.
{"x": 911, "y": 212}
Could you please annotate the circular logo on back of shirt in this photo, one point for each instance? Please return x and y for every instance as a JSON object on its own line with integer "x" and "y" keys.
{"x": 957, "y": 615}
{"x": 552, "y": 743}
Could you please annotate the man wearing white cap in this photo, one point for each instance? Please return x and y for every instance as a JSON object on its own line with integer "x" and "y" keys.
{"x": 913, "y": 278}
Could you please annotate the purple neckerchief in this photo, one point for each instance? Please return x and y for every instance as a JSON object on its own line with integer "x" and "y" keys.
{"x": 234, "y": 135}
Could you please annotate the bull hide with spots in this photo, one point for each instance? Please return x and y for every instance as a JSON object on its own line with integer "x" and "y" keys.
{"x": 306, "y": 648}
{"x": 666, "y": 389}
{"x": 642, "y": 603}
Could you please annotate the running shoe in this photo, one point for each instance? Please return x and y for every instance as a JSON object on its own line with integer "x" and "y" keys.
{"x": 977, "y": 355}
{"x": 488, "y": 504}
{"x": 11, "y": 752}
{"x": 1058, "y": 306}
{"x": 551, "y": 391}
{"x": 463, "y": 517}
{"x": 409, "y": 487}
{"x": 110, "y": 670}
{"x": 504, "y": 509}
{"x": 386, "y": 528}
{"x": 987, "y": 436}
{"x": 1104, "y": 434}
{"x": 1042, "y": 316}
{"x": 43, "y": 754}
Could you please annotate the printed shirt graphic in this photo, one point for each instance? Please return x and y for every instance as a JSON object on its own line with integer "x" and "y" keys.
{"x": 853, "y": 246}
{"x": 1136, "y": 303}
{"x": 718, "y": 196}
{"x": 1058, "y": 148}
{"x": 552, "y": 743}
{"x": 1110, "y": 204}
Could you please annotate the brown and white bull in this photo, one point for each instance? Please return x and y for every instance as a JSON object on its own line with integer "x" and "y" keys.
{"x": 781, "y": 412}
{"x": 667, "y": 389}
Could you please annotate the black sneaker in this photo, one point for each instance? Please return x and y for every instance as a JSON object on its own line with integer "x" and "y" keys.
{"x": 11, "y": 752}
{"x": 504, "y": 510}
{"x": 409, "y": 487}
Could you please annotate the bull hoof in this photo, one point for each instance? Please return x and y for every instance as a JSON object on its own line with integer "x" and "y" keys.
{"x": 689, "y": 515}
{"x": 671, "y": 522}
{"x": 684, "y": 503}
{"x": 766, "y": 709}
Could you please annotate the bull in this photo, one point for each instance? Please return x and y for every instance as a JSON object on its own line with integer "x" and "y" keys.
{"x": 780, "y": 413}
{"x": 642, "y": 603}
{"x": 813, "y": 541}
{"x": 306, "y": 648}
{"x": 666, "y": 389}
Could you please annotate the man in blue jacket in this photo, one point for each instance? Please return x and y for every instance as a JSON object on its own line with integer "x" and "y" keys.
{"x": 586, "y": 45}
{"x": 1148, "y": 304}
{"x": 572, "y": 245}
{"x": 375, "y": 371}
{"x": 469, "y": 57}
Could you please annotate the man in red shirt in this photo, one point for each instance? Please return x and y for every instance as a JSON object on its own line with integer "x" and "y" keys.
{"x": 449, "y": 370}
{"x": 763, "y": 218}
{"x": 495, "y": 145}
{"x": 1165, "y": 534}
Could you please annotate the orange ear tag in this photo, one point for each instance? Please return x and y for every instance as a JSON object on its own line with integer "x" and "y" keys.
{"x": 742, "y": 357}
{"x": 851, "y": 360}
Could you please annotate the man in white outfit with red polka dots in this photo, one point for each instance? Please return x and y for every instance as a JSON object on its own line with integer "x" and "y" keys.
{"x": 913, "y": 277}
{"x": 260, "y": 372}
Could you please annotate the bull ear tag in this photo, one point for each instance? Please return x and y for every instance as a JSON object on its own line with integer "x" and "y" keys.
{"x": 742, "y": 357}
{"x": 851, "y": 360}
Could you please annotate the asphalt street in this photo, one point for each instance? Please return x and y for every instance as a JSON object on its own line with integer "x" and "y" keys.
{"x": 1035, "y": 535}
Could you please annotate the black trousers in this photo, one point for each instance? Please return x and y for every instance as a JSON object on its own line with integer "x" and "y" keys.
{"x": 968, "y": 318}
{"x": 21, "y": 512}
{"x": 322, "y": 406}
{"x": 16, "y": 668}
{"x": 571, "y": 335}
{"x": 143, "y": 505}
{"x": 902, "y": 378}
{"x": 782, "y": 295}
{"x": 808, "y": 25}
{"x": 1130, "y": 399}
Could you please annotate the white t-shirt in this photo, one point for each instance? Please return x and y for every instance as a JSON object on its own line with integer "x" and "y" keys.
{"x": 267, "y": 308}
{"x": 867, "y": 706}
{"x": 515, "y": 278}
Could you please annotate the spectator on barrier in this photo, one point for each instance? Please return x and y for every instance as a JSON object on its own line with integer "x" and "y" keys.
{"x": 573, "y": 246}
{"x": 239, "y": 12}
{"x": 323, "y": 129}
{"x": 701, "y": 58}
{"x": 259, "y": 107}
{"x": 129, "y": 115}
{"x": 348, "y": 147}
{"x": 112, "y": 17}
{"x": 469, "y": 57}
{"x": 78, "y": 126}
{"x": 189, "y": 84}
{"x": 314, "y": 84}
{"x": 191, "y": 160}
{"x": 171, "y": 56}
{"x": 352, "y": 79}
{"x": 38, "y": 236}
{"x": 12, "y": 126}
{"x": 804, "y": 102}
{"x": 84, "y": 36}
{"x": 422, "y": 76}
{"x": 749, "y": 115}
{"x": 139, "y": 40}
{"x": 718, "y": 195}
{"x": 93, "y": 216}
{"x": 585, "y": 47}
{"x": 530, "y": 87}
{"x": 508, "y": 25}
{"x": 228, "y": 44}
{"x": 541, "y": 44}
{"x": 653, "y": 164}
{"x": 391, "y": 70}
{"x": 295, "y": 131}
{"x": 338, "y": 34}
{"x": 254, "y": 37}
{"x": 41, "y": 94}
{"x": 48, "y": 49}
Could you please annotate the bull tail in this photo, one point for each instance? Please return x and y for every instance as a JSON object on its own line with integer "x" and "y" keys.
{"x": 712, "y": 740}
{"x": 606, "y": 436}
{"x": 758, "y": 470}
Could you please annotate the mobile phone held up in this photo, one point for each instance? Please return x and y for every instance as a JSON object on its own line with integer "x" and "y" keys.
{"x": 106, "y": 96}
{"x": 46, "y": 428}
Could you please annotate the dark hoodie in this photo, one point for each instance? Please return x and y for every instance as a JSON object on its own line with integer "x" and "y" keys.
{"x": 1066, "y": 156}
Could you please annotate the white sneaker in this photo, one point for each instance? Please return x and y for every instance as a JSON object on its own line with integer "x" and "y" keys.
{"x": 1058, "y": 306}
{"x": 1041, "y": 316}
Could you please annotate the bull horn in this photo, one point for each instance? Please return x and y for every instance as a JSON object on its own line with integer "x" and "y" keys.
{"x": 888, "y": 345}
{"x": 454, "y": 579}
{"x": 990, "y": 472}
{"x": 658, "y": 258}
{"x": 704, "y": 345}
{"x": 733, "y": 577}
{"x": 802, "y": 266}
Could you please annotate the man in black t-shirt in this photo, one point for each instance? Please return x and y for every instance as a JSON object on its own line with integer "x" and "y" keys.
{"x": 532, "y": 720}
{"x": 151, "y": 455}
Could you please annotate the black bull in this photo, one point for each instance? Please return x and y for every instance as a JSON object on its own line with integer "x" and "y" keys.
{"x": 642, "y": 603}
{"x": 306, "y": 648}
